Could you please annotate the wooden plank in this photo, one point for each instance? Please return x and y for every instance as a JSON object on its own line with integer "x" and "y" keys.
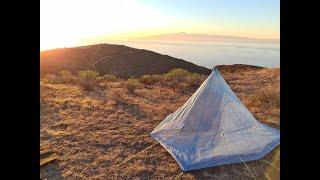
{"x": 46, "y": 152}
{"x": 45, "y": 160}
{"x": 44, "y": 147}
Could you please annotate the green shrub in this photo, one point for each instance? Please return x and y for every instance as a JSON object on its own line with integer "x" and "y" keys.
{"x": 194, "y": 80}
{"x": 88, "y": 74}
{"x": 87, "y": 79}
{"x": 150, "y": 79}
{"x": 50, "y": 78}
{"x": 107, "y": 78}
{"x": 177, "y": 75}
{"x": 131, "y": 85}
{"x": 67, "y": 77}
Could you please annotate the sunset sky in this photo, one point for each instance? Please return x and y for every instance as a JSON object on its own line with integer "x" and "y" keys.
{"x": 66, "y": 23}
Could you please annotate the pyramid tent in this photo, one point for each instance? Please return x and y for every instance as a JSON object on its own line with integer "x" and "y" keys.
{"x": 213, "y": 128}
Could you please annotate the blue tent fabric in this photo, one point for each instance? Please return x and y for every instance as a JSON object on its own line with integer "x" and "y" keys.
{"x": 213, "y": 128}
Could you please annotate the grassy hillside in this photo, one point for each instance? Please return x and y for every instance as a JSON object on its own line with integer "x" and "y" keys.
{"x": 94, "y": 130}
{"x": 118, "y": 60}
{"x": 237, "y": 68}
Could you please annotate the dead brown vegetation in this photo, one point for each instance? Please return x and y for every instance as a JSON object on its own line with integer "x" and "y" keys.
{"x": 92, "y": 131}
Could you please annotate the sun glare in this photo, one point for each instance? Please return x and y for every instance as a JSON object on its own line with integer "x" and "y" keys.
{"x": 65, "y": 23}
{"x": 68, "y": 23}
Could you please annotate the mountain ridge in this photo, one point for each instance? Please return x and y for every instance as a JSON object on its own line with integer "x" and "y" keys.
{"x": 120, "y": 60}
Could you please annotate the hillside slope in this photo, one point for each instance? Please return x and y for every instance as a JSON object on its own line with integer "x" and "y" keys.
{"x": 119, "y": 60}
{"x": 237, "y": 68}
{"x": 92, "y": 133}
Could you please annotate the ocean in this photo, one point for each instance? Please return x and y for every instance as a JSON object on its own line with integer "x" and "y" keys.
{"x": 209, "y": 54}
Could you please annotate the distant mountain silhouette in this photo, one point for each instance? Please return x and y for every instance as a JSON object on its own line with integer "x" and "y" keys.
{"x": 201, "y": 37}
{"x": 119, "y": 60}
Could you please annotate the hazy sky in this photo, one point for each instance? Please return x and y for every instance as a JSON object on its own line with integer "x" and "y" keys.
{"x": 72, "y": 22}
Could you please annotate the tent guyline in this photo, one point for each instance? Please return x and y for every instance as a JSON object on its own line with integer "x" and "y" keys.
{"x": 240, "y": 158}
{"x": 147, "y": 148}
{"x": 128, "y": 159}
{"x": 192, "y": 134}
{"x": 180, "y": 174}
{"x": 270, "y": 164}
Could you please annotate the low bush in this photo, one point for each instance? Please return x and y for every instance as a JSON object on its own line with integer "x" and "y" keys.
{"x": 50, "y": 78}
{"x": 177, "y": 75}
{"x": 67, "y": 77}
{"x": 181, "y": 78}
{"x": 194, "y": 80}
{"x": 107, "y": 78}
{"x": 87, "y": 79}
{"x": 131, "y": 84}
{"x": 150, "y": 79}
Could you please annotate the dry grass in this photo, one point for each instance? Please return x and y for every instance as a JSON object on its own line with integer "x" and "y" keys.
{"x": 115, "y": 96}
{"x": 92, "y": 131}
